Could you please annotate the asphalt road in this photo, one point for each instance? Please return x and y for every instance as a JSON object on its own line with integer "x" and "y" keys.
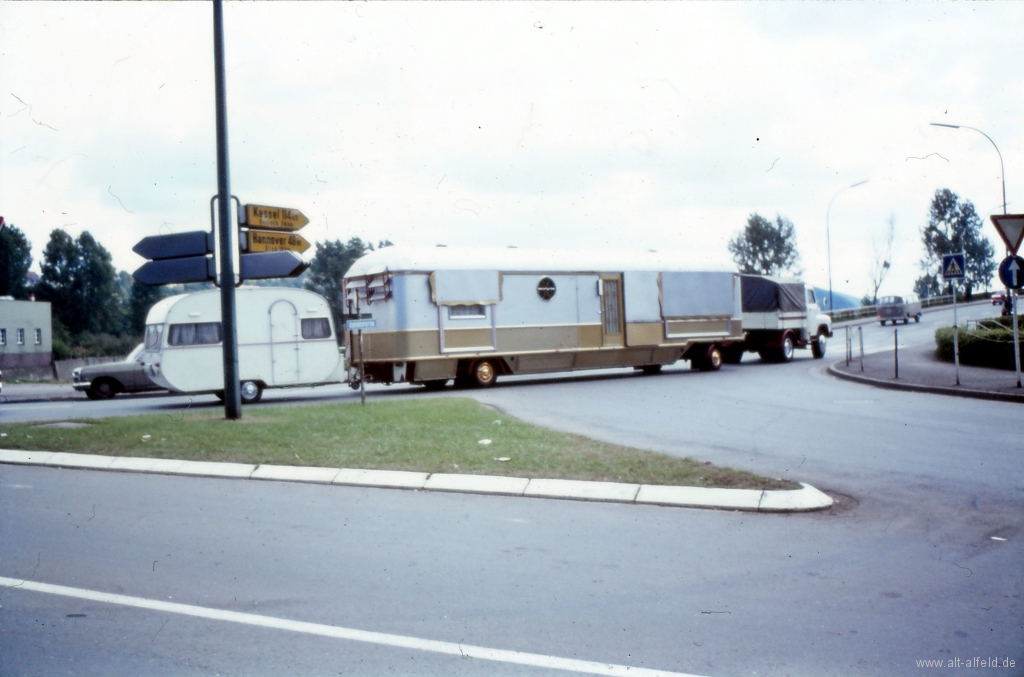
{"x": 920, "y": 559}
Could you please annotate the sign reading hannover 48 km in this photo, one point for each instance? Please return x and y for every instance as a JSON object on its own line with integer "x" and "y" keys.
{"x": 953, "y": 266}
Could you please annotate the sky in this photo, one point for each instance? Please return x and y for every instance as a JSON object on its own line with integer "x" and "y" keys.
{"x": 557, "y": 125}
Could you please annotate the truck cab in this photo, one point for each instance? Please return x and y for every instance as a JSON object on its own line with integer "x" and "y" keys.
{"x": 779, "y": 316}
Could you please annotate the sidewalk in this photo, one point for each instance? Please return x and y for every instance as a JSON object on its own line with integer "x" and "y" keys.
{"x": 804, "y": 499}
{"x": 922, "y": 372}
{"x": 39, "y": 392}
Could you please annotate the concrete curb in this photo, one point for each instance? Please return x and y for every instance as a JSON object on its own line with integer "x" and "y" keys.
{"x": 919, "y": 388}
{"x": 754, "y": 500}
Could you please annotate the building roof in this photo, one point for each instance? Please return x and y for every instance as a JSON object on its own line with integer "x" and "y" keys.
{"x": 429, "y": 259}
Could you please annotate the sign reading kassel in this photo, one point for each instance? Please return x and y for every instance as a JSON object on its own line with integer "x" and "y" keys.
{"x": 274, "y": 218}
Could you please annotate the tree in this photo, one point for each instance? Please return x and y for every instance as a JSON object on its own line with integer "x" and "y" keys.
{"x": 78, "y": 280}
{"x": 764, "y": 248}
{"x": 881, "y": 262}
{"x": 142, "y": 298}
{"x": 328, "y": 268}
{"x": 15, "y": 259}
{"x": 954, "y": 227}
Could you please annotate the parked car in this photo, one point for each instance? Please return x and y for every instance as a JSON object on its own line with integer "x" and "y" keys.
{"x": 103, "y": 381}
{"x": 898, "y": 308}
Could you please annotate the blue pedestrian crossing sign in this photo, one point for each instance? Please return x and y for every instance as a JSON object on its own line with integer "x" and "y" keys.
{"x": 953, "y": 266}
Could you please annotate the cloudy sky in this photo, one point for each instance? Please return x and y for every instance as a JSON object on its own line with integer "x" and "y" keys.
{"x": 605, "y": 125}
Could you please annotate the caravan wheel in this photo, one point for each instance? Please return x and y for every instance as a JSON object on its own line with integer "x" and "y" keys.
{"x": 483, "y": 374}
{"x": 251, "y": 392}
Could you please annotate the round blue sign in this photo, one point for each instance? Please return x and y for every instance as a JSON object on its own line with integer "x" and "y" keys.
{"x": 1011, "y": 272}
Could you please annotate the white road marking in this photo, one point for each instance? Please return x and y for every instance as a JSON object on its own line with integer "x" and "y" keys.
{"x": 450, "y": 648}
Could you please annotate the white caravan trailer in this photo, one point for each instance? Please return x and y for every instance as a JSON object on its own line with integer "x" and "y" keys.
{"x": 474, "y": 314}
{"x": 285, "y": 338}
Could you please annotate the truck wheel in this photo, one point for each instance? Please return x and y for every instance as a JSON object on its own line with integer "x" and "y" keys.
{"x": 917, "y": 318}
{"x": 819, "y": 344}
{"x": 785, "y": 352}
{"x": 251, "y": 392}
{"x": 881, "y": 322}
{"x": 103, "y": 389}
{"x": 483, "y": 374}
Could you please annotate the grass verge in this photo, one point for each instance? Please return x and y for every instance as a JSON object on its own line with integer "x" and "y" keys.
{"x": 435, "y": 435}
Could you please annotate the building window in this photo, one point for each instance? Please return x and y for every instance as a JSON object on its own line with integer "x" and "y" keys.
{"x": 3, "y": 337}
{"x": 194, "y": 334}
{"x": 39, "y": 337}
{"x": 316, "y": 328}
{"x": 466, "y": 311}
{"x": 21, "y": 337}
{"x": 546, "y": 288}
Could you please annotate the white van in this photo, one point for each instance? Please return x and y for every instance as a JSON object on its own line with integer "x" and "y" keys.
{"x": 285, "y": 338}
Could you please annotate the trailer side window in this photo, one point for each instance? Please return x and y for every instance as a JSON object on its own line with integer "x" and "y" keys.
{"x": 466, "y": 311}
{"x": 316, "y": 328}
{"x": 194, "y": 334}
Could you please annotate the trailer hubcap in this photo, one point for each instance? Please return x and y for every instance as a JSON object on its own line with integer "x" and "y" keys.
{"x": 484, "y": 373}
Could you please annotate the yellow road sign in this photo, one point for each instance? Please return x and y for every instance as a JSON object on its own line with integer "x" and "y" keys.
{"x": 274, "y": 218}
{"x": 264, "y": 241}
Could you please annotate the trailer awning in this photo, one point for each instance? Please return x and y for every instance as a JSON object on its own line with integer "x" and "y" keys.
{"x": 465, "y": 287}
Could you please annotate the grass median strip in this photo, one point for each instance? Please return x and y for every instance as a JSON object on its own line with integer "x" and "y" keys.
{"x": 439, "y": 435}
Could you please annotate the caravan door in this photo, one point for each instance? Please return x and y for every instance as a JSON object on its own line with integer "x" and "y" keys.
{"x": 284, "y": 342}
{"x": 612, "y": 331}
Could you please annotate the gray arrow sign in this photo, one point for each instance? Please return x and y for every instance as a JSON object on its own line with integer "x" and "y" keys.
{"x": 175, "y": 246}
{"x": 172, "y": 271}
{"x": 271, "y": 264}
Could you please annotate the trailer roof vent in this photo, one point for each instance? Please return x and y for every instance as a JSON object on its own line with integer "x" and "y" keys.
{"x": 546, "y": 288}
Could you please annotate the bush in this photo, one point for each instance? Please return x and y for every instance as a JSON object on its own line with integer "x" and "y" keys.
{"x": 991, "y": 346}
{"x": 103, "y": 345}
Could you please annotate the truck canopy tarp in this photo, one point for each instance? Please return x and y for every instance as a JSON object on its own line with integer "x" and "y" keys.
{"x": 763, "y": 294}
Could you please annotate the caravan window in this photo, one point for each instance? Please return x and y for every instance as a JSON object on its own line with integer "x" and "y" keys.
{"x": 153, "y": 332}
{"x": 466, "y": 311}
{"x": 316, "y": 328}
{"x": 194, "y": 334}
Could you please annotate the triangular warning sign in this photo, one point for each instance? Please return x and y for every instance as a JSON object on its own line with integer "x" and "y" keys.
{"x": 1011, "y": 229}
{"x": 953, "y": 269}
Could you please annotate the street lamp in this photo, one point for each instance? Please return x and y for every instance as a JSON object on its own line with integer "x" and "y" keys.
{"x": 828, "y": 240}
{"x": 1002, "y": 175}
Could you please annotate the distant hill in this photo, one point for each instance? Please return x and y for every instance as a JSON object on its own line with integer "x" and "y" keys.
{"x": 839, "y": 301}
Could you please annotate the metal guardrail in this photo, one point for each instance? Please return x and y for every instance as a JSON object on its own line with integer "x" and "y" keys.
{"x": 872, "y": 311}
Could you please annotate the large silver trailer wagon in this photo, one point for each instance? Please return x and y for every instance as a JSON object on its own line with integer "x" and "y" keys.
{"x": 473, "y": 314}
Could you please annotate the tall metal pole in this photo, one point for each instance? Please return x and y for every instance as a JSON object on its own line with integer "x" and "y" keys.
{"x": 1002, "y": 178}
{"x": 956, "y": 336}
{"x": 226, "y": 226}
{"x": 828, "y": 240}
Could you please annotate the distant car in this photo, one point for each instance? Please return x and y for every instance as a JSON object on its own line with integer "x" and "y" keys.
{"x": 896, "y": 308}
{"x": 103, "y": 381}
{"x": 999, "y": 298}
{"x": 1, "y": 383}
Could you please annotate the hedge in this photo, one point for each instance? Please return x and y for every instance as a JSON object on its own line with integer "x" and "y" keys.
{"x": 991, "y": 346}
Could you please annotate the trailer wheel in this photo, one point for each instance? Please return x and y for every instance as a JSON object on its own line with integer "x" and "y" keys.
{"x": 251, "y": 392}
{"x": 711, "y": 360}
{"x": 733, "y": 354}
{"x": 818, "y": 345}
{"x": 483, "y": 374}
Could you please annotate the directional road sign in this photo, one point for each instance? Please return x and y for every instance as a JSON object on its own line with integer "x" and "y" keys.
{"x": 355, "y": 325}
{"x": 274, "y": 218}
{"x": 270, "y": 241}
{"x": 176, "y": 258}
{"x": 271, "y": 264}
{"x": 176, "y": 271}
{"x": 1011, "y": 229}
{"x": 953, "y": 266}
{"x": 1011, "y": 272}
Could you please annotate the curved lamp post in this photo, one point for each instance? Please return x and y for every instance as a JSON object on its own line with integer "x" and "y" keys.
{"x": 828, "y": 240}
{"x": 1002, "y": 174}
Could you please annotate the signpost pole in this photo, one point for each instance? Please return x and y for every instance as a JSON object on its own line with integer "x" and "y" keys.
{"x": 956, "y": 341}
{"x": 896, "y": 351}
{"x": 1016, "y": 336}
{"x": 225, "y": 222}
{"x": 860, "y": 335}
{"x": 362, "y": 371}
